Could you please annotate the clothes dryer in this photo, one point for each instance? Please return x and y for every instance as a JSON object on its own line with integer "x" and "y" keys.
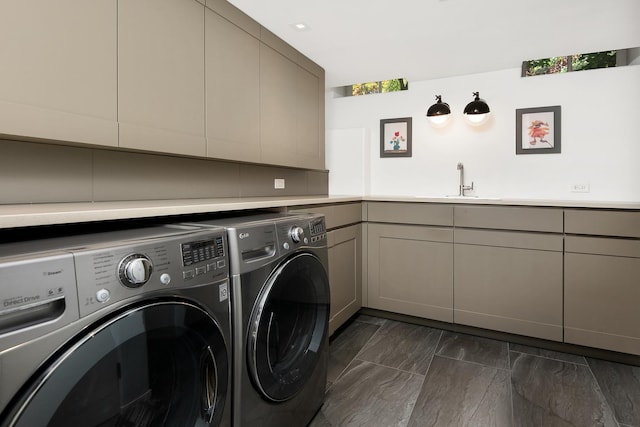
{"x": 280, "y": 294}
{"x": 121, "y": 328}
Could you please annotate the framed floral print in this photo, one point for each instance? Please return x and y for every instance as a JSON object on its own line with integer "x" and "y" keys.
{"x": 538, "y": 130}
{"x": 395, "y": 137}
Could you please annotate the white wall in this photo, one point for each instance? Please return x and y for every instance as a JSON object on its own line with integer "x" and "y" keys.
{"x": 600, "y": 138}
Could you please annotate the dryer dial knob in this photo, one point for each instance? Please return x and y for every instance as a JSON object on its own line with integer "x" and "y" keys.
{"x": 135, "y": 270}
{"x": 296, "y": 233}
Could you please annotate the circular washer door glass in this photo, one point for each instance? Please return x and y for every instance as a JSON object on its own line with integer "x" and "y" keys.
{"x": 155, "y": 364}
{"x": 289, "y": 327}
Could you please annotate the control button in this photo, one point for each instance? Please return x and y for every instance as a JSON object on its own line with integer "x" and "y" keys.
{"x": 200, "y": 270}
{"x": 306, "y": 240}
{"x": 165, "y": 279}
{"x": 189, "y": 274}
{"x": 103, "y": 295}
{"x": 221, "y": 263}
{"x": 285, "y": 245}
{"x": 211, "y": 266}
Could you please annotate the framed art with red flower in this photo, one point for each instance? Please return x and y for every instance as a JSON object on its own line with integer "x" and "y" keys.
{"x": 395, "y": 137}
{"x": 538, "y": 130}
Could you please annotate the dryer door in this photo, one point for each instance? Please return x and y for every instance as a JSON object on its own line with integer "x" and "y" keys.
{"x": 162, "y": 363}
{"x": 289, "y": 327}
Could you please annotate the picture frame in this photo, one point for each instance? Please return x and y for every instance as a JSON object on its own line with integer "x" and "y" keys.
{"x": 538, "y": 130}
{"x": 395, "y": 137}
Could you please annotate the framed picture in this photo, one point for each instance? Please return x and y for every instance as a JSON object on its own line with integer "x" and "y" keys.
{"x": 538, "y": 130}
{"x": 395, "y": 137}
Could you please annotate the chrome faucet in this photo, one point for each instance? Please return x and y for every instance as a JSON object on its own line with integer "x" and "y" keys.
{"x": 463, "y": 187}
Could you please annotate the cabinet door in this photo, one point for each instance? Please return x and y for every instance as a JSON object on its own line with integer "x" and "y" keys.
{"x": 410, "y": 270}
{"x": 161, "y": 76}
{"x": 510, "y": 282}
{"x": 345, "y": 274}
{"x": 233, "y": 91}
{"x": 602, "y": 294}
{"x": 289, "y": 112}
{"x": 58, "y": 74}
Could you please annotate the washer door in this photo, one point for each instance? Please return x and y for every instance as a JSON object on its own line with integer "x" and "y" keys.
{"x": 289, "y": 326}
{"x": 162, "y": 363}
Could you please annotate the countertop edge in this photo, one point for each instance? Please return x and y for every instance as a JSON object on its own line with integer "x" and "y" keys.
{"x": 29, "y": 215}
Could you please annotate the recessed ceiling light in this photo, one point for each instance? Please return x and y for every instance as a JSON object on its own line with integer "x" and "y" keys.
{"x": 300, "y": 26}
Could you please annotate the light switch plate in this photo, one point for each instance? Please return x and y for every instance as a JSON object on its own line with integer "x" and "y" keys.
{"x": 278, "y": 183}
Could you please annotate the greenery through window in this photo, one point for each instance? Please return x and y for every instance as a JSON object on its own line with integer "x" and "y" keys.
{"x": 564, "y": 64}
{"x": 394, "y": 85}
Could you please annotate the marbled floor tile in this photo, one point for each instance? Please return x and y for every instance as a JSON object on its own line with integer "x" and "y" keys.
{"x": 549, "y": 393}
{"x": 470, "y": 348}
{"x": 345, "y": 346}
{"x": 402, "y": 346}
{"x": 549, "y": 354}
{"x": 370, "y": 395}
{"x": 370, "y": 319}
{"x": 620, "y": 385}
{"x": 458, "y": 393}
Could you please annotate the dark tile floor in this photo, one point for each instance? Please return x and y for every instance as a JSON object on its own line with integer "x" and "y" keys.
{"x": 385, "y": 373}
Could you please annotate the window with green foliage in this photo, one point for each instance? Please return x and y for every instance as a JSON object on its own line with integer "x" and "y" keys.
{"x": 564, "y": 64}
{"x": 383, "y": 86}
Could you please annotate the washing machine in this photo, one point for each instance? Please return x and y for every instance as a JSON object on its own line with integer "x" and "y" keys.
{"x": 117, "y": 328}
{"x": 280, "y": 294}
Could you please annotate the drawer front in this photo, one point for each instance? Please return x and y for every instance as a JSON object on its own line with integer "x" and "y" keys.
{"x": 336, "y": 215}
{"x": 602, "y": 223}
{"x": 410, "y": 213}
{"x": 510, "y": 239}
{"x": 509, "y": 218}
{"x": 602, "y": 246}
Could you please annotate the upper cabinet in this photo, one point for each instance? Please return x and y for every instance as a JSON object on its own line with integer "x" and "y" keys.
{"x": 161, "y": 76}
{"x": 291, "y": 105}
{"x": 232, "y": 60}
{"x": 195, "y": 78}
{"x": 58, "y": 74}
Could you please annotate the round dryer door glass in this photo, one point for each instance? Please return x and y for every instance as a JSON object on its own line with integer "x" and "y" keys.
{"x": 162, "y": 364}
{"x": 289, "y": 327}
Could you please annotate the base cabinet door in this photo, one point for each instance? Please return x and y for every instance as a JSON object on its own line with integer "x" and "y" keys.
{"x": 510, "y": 282}
{"x": 410, "y": 270}
{"x": 345, "y": 274}
{"x": 602, "y": 293}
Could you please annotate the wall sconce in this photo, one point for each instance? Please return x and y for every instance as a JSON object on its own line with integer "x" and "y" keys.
{"x": 439, "y": 113}
{"x": 477, "y": 111}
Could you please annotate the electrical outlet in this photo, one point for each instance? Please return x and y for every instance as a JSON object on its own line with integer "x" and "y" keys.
{"x": 278, "y": 183}
{"x": 580, "y": 188}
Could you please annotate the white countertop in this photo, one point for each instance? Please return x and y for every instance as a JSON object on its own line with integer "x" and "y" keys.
{"x": 26, "y": 215}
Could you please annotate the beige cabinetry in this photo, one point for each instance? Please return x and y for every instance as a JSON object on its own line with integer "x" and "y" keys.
{"x": 508, "y": 269}
{"x": 161, "y": 76}
{"x": 410, "y": 259}
{"x": 602, "y": 279}
{"x": 289, "y": 111}
{"x": 59, "y": 73}
{"x": 232, "y": 64}
{"x": 509, "y": 281}
{"x": 344, "y": 242}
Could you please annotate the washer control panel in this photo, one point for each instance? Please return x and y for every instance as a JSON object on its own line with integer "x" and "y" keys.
{"x": 111, "y": 272}
{"x": 300, "y": 231}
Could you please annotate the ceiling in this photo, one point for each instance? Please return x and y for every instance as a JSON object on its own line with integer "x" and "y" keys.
{"x": 370, "y": 40}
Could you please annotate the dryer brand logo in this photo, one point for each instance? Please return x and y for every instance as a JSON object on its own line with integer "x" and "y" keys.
{"x": 12, "y": 302}
{"x": 51, "y": 273}
{"x": 243, "y": 235}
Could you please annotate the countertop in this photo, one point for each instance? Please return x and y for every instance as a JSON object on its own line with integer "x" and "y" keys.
{"x": 26, "y": 215}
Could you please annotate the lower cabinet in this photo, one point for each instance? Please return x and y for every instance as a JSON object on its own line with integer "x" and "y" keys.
{"x": 602, "y": 293}
{"x": 410, "y": 270}
{"x": 345, "y": 273}
{"x": 509, "y": 281}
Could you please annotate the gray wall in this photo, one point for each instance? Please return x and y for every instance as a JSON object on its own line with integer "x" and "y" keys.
{"x": 41, "y": 173}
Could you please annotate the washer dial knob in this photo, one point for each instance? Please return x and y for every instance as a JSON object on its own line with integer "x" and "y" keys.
{"x": 135, "y": 270}
{"x": 296, "y": 233}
